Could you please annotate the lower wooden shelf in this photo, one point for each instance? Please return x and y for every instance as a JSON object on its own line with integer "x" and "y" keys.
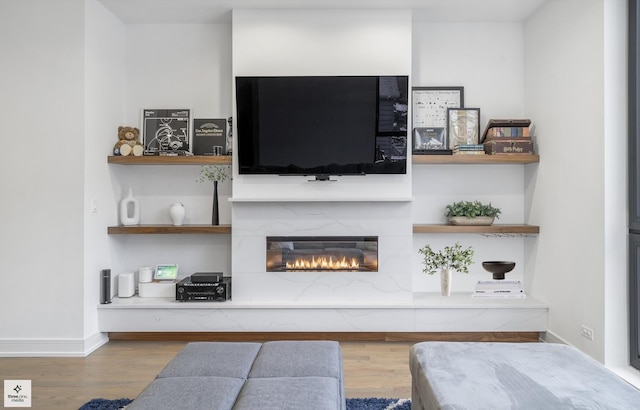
{"x": 490, "y": 229}
{"x": 168, "y": 229}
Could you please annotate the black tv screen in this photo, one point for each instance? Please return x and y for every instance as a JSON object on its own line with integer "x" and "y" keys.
{"x": 322, "y": 125}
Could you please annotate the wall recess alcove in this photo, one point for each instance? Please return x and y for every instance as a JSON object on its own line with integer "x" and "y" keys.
{"x": 394, "y": 208}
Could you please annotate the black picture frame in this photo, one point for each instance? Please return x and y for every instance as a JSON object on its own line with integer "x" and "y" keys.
{"x": 166, "y": 130}
{"x": 429, "y": 139}
{"x": 429, "y": 112}
{"x": 463, "y": 126}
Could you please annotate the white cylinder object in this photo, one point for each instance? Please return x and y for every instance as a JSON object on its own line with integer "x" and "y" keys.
{"x": 145, "y": 274}
{"x": 126, "y": 285}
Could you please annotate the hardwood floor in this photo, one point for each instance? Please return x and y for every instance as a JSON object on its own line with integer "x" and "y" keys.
{"x": 122, "y": 369}
{"x": 375, "y": 364}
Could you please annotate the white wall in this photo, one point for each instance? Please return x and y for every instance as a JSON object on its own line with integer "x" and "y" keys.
{"x": 565, "y": 92}
{"x": 42, "y": 171}
{"x": 105, "y": 89}
{"x": 616, "y": 209}
{"x": 487, "y": 59}
{"x": 176, "y": 66}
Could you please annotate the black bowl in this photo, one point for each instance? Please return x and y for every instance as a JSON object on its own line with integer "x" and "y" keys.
{"x": 498, "y": 268}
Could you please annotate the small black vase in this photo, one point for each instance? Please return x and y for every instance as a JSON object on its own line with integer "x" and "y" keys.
{"x": 214, "y": 216}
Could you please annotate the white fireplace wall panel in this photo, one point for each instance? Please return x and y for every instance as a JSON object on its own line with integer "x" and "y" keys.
{"x": 321, "y": 42}
{"x": 253, "y": 222}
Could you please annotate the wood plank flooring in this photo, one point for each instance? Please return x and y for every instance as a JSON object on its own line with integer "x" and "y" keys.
{"x": 375, "y": 364}
{"x": 122, "y": 369}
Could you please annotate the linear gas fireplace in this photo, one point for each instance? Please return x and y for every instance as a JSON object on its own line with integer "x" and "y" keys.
{"x": 322, "y": 253}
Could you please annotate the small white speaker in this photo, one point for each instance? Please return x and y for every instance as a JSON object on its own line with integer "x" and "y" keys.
{"x": 126, "y": 285}
{"x": 145, "y": 274}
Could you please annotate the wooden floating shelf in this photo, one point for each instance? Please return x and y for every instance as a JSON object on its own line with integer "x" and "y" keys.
{"x": 168, "y": 229}
{"x": 171, "y": 160}
{"x": 475, "y": 159}
{"x": 488, "y": 229}
{"x": 417, "y": 159}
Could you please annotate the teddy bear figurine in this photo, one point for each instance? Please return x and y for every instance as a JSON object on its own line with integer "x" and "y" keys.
{"x": 128, "y": 143}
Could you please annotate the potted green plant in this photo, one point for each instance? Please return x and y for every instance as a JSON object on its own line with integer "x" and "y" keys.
{"x": 447, "y": 260}
{"x": 471, "y": 213}
{"x": 215, "y": 173}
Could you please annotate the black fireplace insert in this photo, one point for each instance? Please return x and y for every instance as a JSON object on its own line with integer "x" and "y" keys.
{"x": 322, "y": 253}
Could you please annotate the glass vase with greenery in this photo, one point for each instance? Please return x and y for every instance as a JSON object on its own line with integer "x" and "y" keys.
{"x": 447, "y": 260}
{"x": 451, "y": 257}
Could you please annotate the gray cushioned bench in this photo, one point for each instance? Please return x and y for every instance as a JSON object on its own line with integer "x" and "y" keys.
{"x": 456, "y": 375}
{"x": 289, "y": 375}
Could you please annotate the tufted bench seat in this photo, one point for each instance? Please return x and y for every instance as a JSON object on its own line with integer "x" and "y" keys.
{"x": 494, "y": 376}
{"x": 249, "y": 376}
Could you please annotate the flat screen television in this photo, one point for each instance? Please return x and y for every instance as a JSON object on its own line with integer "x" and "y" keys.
{"x": 322, "y": 125}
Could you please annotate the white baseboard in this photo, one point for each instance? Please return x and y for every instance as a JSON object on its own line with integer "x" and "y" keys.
{"x": 52, "y": 347}
{"x": 550, "y": 337}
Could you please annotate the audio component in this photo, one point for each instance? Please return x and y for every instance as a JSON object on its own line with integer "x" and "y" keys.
{"x": 105, "y": 286}
{"x": 207, "y": 277}
{"x": 188, "y": 291}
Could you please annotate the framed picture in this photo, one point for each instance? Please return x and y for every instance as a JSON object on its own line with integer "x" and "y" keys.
{"x": 429, "y": 112}
{"x": 209, "y": 136}
{"x": 165, "y": 130}
{"x": 429, "y": 139}
{"x": 463, "y": 126}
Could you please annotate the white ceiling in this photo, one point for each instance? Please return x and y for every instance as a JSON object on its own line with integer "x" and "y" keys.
{"x": 219, "y": 11}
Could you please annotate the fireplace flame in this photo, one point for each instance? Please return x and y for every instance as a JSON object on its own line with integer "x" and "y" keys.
{"x": 324, "y": 263}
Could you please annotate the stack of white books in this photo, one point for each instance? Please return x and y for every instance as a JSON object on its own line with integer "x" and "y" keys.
{"x": 499, "y": 289}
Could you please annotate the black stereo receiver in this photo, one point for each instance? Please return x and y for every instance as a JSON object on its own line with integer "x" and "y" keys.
{"x": 189, "y": 291}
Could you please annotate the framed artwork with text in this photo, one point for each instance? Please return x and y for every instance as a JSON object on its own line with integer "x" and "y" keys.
{"x": 429, "y": 115}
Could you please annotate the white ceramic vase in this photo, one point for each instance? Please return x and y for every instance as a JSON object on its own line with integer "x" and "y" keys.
{"x": 129, "y": 210}
{"x": 177, "y": 213}
{"x": 445, "y": 281}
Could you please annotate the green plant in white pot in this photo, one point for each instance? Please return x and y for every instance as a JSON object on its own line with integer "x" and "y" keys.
{"x": 447, "y": 260}
{"x": 471, "y": 213}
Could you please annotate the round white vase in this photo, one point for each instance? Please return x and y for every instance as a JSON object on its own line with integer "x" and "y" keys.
{"x": 177, "y": 213}
{"x": 445, "y": 281}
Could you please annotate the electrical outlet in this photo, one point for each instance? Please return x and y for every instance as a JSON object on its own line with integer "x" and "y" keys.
{"x": 587, "y": 332}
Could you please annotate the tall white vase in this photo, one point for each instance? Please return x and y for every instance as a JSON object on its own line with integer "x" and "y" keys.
{"x": 177, "y": 212}
{"x": 445, "y": 281}
{"x": 129, "y": 210}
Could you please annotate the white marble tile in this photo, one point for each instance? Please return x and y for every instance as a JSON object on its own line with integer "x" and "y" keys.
{"x": 238, "y": 317}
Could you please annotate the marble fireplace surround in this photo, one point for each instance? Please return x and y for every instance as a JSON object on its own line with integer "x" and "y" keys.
{"x": 253, "y": 222}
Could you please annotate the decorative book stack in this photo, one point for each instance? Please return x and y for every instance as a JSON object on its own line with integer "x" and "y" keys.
{"x": 499, "y": 289}
{"x": 508, "y": 137}
{"x": 466, "y": 149}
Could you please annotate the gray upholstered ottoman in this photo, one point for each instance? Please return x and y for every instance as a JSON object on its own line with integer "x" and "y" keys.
{"x": 287, "y": 375}
{"x": 454, "y": 375}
